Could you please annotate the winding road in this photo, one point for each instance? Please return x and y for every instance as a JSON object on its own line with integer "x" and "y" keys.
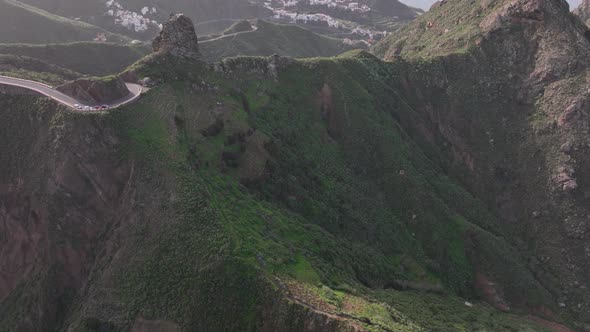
{"x": 134, "y": 92}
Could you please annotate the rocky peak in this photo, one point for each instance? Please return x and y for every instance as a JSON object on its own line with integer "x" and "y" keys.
{"x": 583, "y": 11}
{"x": 178, "y": 38}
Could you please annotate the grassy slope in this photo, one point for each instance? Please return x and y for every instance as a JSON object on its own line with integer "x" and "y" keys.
{"x": 273, "y": 39}
{"x": 20, "y": 23}
{"x": 334, "y": 218}
{"x": 88, "y": 58}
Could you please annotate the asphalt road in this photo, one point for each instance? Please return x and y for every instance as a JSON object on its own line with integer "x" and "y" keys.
{"x": 46, "y": 90}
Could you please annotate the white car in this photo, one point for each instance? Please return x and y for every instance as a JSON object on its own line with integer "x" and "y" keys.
{"x": 78, "y": 106}
{"x": 87, "y": 108}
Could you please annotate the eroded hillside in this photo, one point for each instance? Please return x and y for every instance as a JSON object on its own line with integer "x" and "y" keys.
{"x": 337, "y": 194}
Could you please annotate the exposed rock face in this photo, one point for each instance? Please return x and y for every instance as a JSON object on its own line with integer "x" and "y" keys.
{"x": 95, "y": 91}
{"x": 583, "y": 11}
{"x": 178, "y": 37}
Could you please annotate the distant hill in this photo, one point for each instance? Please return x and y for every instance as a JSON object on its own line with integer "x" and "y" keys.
{"x": 98, "y": 59}
{"x": 268, "y": 39}
{"x": 21, "y": 23}
{"x": 89, "y": 58}
{"x": 206, "y": 11}
{"x": 139, "y": 19}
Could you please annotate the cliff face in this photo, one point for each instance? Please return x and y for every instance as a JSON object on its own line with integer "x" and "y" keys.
{"x": 178, "y": 38}
{"x": 96, "y": 91}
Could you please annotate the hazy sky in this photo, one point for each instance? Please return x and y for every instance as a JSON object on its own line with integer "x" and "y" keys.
{"x": 425, "y": 4}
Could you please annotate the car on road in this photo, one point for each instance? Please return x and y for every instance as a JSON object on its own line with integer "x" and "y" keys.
{"x": 97, "y": 108}
{"x": 78, "y": 106}
{"x": 104, "y": 107}
{"x": 87, "y": 108}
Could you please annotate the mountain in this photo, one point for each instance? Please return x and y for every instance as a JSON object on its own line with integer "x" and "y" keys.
{"x": 438, "y": 184}
{"x": 34, "y": 69}
{"x": 268, "y": 39}
{"x": 21, "y": 23}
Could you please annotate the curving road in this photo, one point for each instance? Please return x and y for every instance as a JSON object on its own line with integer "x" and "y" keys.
{"x": 134, "y": 92}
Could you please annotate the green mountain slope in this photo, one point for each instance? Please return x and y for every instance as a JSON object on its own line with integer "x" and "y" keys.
{"x": 21, "y": 23}
{"x": 444, "y": 189}
{"x": 263, "y": 188}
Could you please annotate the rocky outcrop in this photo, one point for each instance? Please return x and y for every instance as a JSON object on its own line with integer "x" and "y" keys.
{"x": 96, "y": 91}
{"x": 178, "y": 37}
